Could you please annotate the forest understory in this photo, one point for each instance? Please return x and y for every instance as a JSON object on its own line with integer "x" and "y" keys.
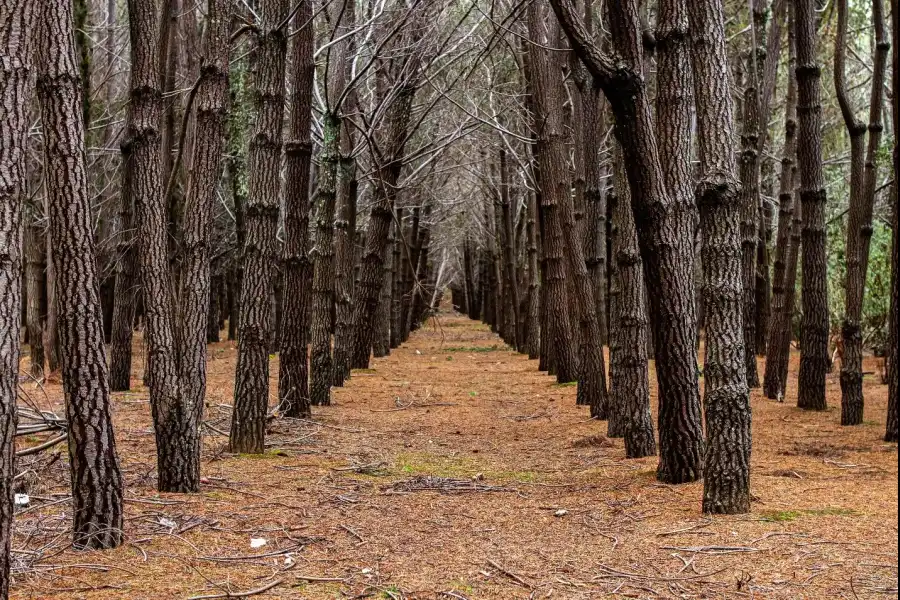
{"x": 455, "y": 469}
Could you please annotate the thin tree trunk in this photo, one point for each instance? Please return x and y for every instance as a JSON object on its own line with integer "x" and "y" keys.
{"x": 35, "y": 300}
{"x": 726, "y": 394}
{"x": 396, "y": 279}
{"x": 17, "y": 36}
{"x": 533, "y": 336}
{"x": 251, "y": 389}
{"x": 777, "y": 353}
{"x": 97, "y": 486}
{"x": 814, "y": 359}
{"x": 509, "y": 254}
{"x": 891, "y": 433}
{"x": 293, "y": 377}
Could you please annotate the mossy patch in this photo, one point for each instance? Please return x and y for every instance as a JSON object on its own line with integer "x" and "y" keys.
{"x": 786, "y": 516}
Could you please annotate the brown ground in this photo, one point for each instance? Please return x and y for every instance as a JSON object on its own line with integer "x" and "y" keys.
{"x": 553, "y": 513}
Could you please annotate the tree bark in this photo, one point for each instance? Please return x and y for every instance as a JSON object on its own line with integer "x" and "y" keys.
{"x": 293, "y": 377}
{"x": 863, "y": 173}
{"x": 17, "y": 34}
{"x": 251, "y": 389}
{"x": 97, "y": 487}
{"x": 661, "y": 221}
{"x": 891, "y": 433}
{"x": 630, "y": 392}
{"x": 726, "y": 394}
{"x": 35, "y": 298}
{"x": 785, "y": 271}
{"x": 814, "y": 359}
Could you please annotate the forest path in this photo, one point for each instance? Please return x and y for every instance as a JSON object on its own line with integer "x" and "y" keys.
{"x": 527, "y": 501}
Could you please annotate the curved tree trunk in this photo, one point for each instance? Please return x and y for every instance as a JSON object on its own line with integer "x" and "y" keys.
{"x": 814, "y": 359}
{"x": 251, "y": 387}
{"x": 863, "y": 172}
{"x": 293, "y": 376}
{"x": 97, "y": 486}
{"x": 17, "y": 37}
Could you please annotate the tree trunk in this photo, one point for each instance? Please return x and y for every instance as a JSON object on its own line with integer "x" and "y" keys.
{"x": 396, "y": 279}
{"x": 322, "y": 255}
{"x": 126, "y": 287}
{"x": 891, "y": 433}
{"x": 777, "y": 352}
{"x": 509, "y": 256}
{"x": 293, "y": 377}
{"x": 630, "y": 391}
{"x": 814, "y": 359}
{"x": 863, "y": 173}
{"x": 547, "y": 87}
{"x": 251, "y": 389}
{"x": 35, "y": 297}
{"x": 726, "y": 395}
{"x": 97, "y": 486}
{"x": 661, "y": 220}
{"x": 344, "y": 255}
{"x": 19, "y": 20}
{"x": 381, "y": 344}
{"x": 533, "y": 326}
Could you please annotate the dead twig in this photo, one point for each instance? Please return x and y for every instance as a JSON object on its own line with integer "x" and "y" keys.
{"x": 261, "y": 590}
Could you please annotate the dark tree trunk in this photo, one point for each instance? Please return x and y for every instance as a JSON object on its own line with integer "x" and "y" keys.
{"x": 396, "y": 279}
{"x": 533, "y": 325}
{"x": 546, "y": 84}
{"x": 322, "y": 255}
{"x": 661, "y": 220}
{"x": 126, "y": 286}
{"x": 509, "y": 256}
{"x": 777, "y": 352}
{"x": 251, "y": 388}
{"x": 381, "y": 344}
{"x": 814, "y": 359}
{"x": 212, "y": 316}
{"x": 35, "y": 297}
{"x": 891, "y": 433}
{"x": 726, "y": 395}
{"x": 630, "y": 391}
{"x": 864, "y": 170}
{"x": 18, "y": 34}
{"x": 97, "y": 487}
{"x": 293, "y": 376}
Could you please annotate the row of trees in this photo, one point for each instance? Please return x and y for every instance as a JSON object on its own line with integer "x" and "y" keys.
{"x": 312, "y": 175}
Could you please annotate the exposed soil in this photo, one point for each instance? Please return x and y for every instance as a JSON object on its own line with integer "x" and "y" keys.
{"x": 454, "y": 469}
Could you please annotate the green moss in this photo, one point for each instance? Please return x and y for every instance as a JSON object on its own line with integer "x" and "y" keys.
{"x": 786, "y": 516}
{"x": 567, "y": 384}
{"x": 363, "y": 371}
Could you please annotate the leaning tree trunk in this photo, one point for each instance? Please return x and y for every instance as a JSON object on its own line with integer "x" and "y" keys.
{"x": 97, "y": 487}
{"x": 661, "y": 222}
{"x": 293, "y": 376}
{"x": 17, "y": 28}
{"x": 814, "y": 359}
{"x": 726, "y": 393}
{"x": 777, "y": 353}
{"x": 630, "y": 391}
{"x": 251, "y": 387}
{"x": 863, "y": 172}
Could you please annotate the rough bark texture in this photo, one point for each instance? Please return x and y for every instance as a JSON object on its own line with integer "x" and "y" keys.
{"x": 322, "y": 256}
{"x": 251, "y": 388}
{"x": 726, "y": 394}
{"x": 97, "y": 486}
{"x": 510, "y": 281}
{"x": 630, "y": 390}
{"x": 555, "y": 187}
{"x": 814, "y": 359}
{"x": 396, "y": 279}
{"x": 293, "y": 376}
{"x": 182, "y": 471}
{"x": 777, "y": 353}
{"x": 863, "y": 172}
{"x": 533, "y": 324}
{"x": 891, "y": 433}
{"x": 17, "y": 34}
{"x": 34, "y": 293}
{"x": 126, "y": 287}
{"x": 661, "y": 221}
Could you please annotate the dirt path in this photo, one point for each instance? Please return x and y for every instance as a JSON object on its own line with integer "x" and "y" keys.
{"x": 527, "y": 504}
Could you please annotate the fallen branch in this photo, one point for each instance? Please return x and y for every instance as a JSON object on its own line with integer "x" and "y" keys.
{"x": 261, "y": 590}
{"x": 510, "y": 574}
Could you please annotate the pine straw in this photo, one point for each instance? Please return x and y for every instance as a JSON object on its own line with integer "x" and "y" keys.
{"x": 578, "y": 521}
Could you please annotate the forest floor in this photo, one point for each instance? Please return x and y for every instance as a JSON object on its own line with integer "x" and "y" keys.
{"x": 454, "y": 469}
